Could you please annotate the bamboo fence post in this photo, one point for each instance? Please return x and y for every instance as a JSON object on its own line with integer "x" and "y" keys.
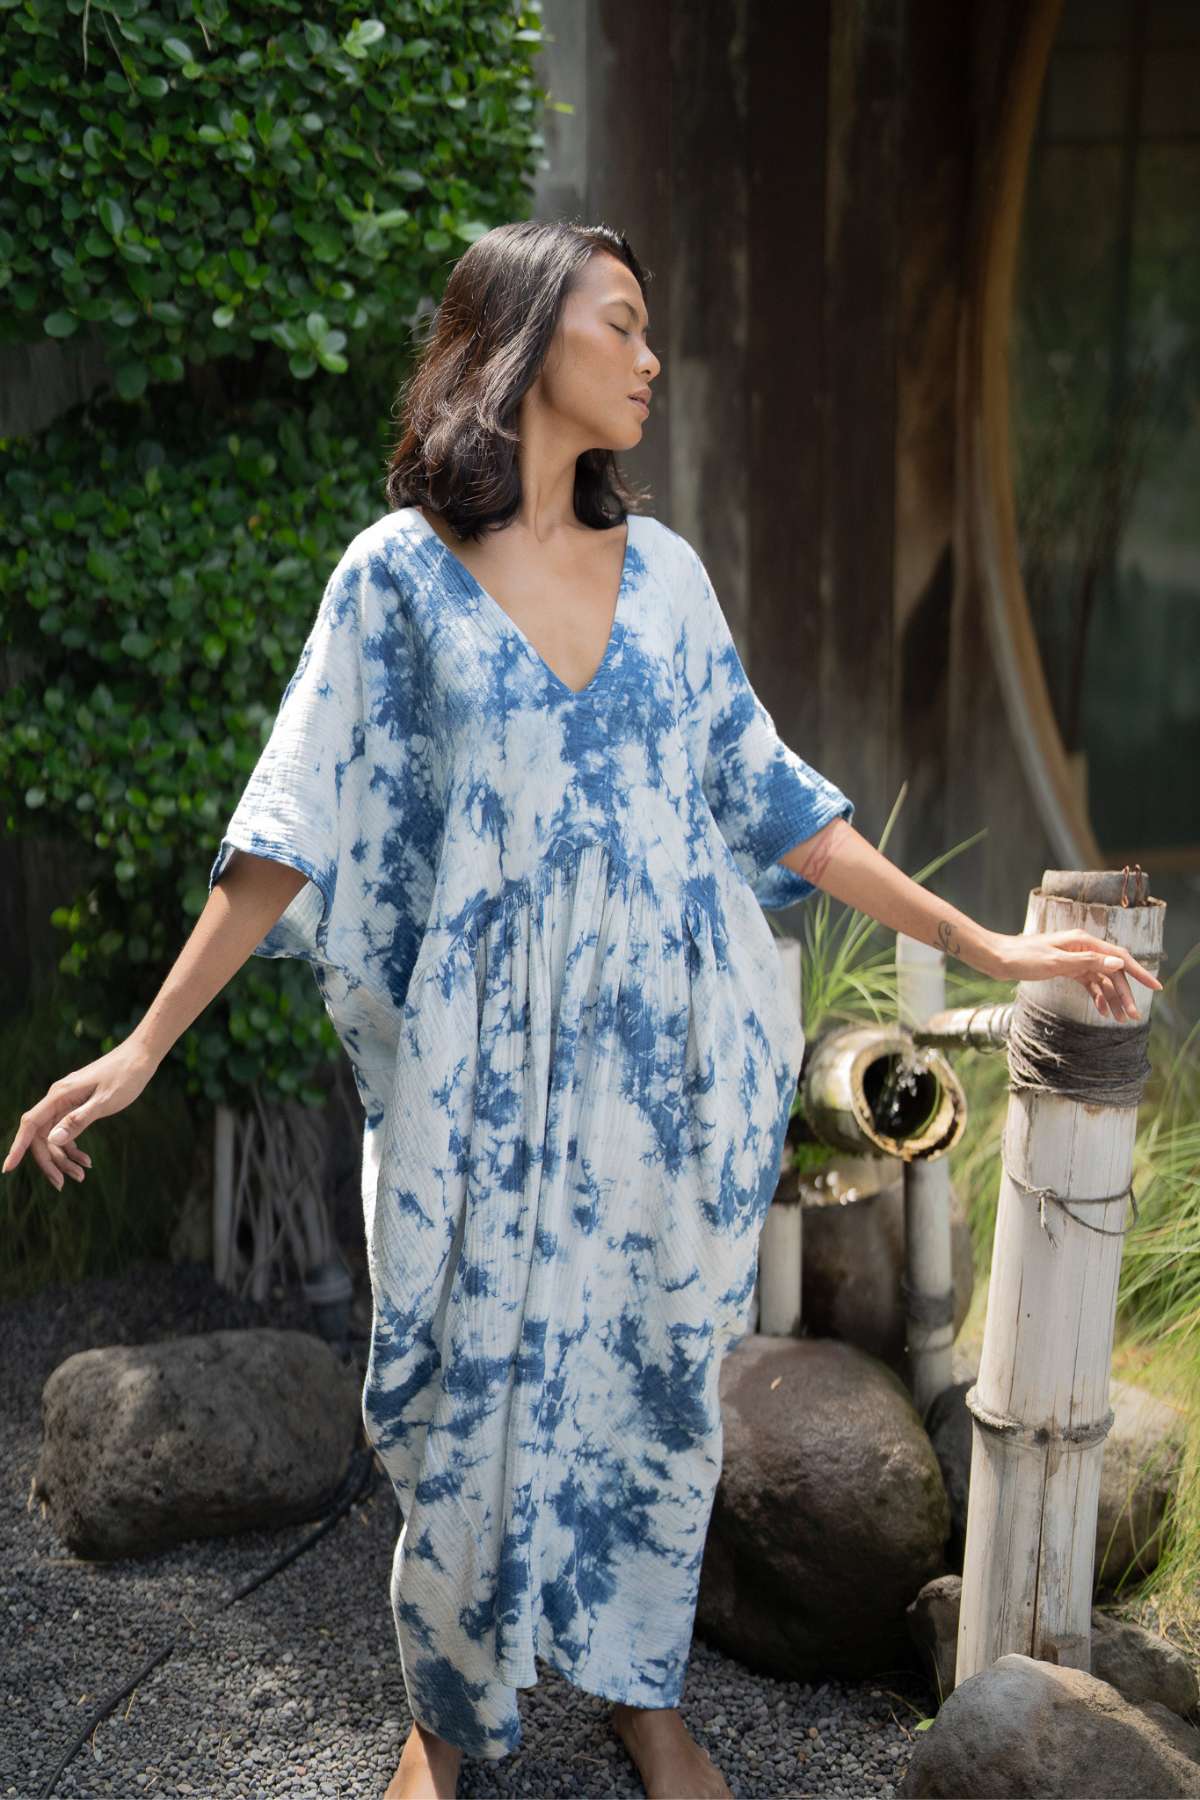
{"x": 223, "y": 1219}
{"x": 778, "y": 1284}
{"x": 928, "y": 1282}
{"x": 1040, "y": 1404}
{"x": 267, "y": 1177}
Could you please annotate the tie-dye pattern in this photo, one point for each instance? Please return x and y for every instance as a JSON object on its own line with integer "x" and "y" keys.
{"x": 535, "y": 916}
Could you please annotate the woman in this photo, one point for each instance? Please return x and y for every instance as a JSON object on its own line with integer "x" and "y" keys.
{"x": 522, "y": 810}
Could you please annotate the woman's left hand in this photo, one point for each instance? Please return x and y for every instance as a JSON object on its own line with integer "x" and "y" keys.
{"x": 1103, "y": 969}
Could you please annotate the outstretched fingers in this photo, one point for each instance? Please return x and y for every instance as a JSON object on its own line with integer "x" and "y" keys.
{"x": 1109, "y": 967}
{"x": 55, "y": 1157}
{"x": 1105, "y": 997}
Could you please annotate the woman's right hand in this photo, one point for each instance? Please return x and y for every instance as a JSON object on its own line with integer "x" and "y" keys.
{"x": 51, "y": 1128}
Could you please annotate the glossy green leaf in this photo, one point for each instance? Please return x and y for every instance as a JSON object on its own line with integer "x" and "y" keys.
{"x": 129, "y": 379}
{"x": 110, "y": 215}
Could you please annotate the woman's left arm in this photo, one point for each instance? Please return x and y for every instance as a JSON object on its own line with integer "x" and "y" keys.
{"x": 840, "y": 860}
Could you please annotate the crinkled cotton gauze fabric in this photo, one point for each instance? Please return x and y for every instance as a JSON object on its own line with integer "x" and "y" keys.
{"x": 536, "y": 919}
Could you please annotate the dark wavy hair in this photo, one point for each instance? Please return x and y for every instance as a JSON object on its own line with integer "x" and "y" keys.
{"x": 488, "y": 338}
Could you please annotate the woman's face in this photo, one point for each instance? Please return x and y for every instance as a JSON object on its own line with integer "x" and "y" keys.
{"x": 599, "y": 358}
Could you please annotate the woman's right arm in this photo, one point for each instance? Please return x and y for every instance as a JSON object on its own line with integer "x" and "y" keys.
{"x": 250, "y": 896}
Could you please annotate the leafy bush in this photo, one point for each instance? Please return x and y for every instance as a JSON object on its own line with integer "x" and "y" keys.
{"x": 230, "y": 200}
{"x": 189, "y": 179}
{"x": 162, "y": 590}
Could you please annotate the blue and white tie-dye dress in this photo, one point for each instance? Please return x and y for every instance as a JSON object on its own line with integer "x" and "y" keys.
{"x": 535, "y": 916}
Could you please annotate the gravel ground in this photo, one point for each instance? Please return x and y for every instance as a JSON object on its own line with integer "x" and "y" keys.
{"x": 296, "y": 1690}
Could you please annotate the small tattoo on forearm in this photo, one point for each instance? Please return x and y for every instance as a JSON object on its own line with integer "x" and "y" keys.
{"x": 947, "y": 938}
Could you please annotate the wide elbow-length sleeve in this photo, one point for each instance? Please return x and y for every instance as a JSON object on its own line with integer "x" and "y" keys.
{"x": 764, "y": 796}
{"x": 303, "y": 799}
{"x": 349, "y": 791}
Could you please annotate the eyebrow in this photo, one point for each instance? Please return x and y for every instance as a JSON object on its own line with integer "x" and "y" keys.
{"x": 617, "y": 300}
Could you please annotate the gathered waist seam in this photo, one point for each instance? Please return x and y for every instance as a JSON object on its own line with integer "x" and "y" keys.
{"x": 562, "y": 855}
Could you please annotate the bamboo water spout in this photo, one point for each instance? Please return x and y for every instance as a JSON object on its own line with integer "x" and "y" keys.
{"x": 1040, "y": 1404}
{"x": 880, "y": 1090}
{"x": 868, "y": 1089}
{"x": 966, "y": 1027}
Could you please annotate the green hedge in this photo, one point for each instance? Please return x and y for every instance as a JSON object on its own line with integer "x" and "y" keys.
{"x": 242, "y": 188}
{"x": 164, "y": 589}
{"x": 189, "y": 180}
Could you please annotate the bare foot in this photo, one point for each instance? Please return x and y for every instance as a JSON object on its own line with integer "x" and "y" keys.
{"x": 671, "y": 1763}
{"x": 427, "y": 1770}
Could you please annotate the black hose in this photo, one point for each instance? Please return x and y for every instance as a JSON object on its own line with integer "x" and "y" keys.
{"x": 358, "y": 1482}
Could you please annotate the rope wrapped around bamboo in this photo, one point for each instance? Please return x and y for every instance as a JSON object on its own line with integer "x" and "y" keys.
{"x": 1102, "y": 1065}
{"x": 927, "y": 1310}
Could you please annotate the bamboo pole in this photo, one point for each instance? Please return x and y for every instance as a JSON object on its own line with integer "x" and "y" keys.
{"x": 927, "y": 1283}
{"x": 780, "y": 1266}
{"x": 1040, "y": 1404}
{"x": 778, "y": 1284}
{"x": 223, "y": 1199}
{"x": 967, "y": 1027}
{"x": 267, "y": 1178}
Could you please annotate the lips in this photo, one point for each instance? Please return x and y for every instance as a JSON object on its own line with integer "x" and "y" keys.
{"x": 644, "y": 404}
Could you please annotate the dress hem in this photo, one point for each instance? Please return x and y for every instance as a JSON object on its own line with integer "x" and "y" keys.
{"x": 601, "y": 1687}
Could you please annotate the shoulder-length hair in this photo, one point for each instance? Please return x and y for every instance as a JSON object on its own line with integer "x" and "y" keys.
{"x": 457, "y": 452}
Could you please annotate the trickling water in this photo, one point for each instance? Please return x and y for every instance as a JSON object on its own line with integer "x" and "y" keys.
{"x": 905, "y": 1097}
{"x": 829, "y": 1188}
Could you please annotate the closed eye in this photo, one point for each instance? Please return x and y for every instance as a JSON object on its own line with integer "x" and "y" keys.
{"x": 621, "y": 330}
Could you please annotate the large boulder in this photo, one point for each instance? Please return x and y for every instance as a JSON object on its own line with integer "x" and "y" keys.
{"x": 1140, "y": 1665}
{"x": 1138, "y": 1475}
{"x": 830, "y": 1512}
{"x": 1143, "y": 1666}
{"x": 148, "y": 1445}
{"x": 1022, "y": 1726}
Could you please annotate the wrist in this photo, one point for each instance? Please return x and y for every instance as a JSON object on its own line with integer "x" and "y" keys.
{"x": 988, "y": 954}
{"x": 141, "y": 1046}
{"x": 962, "y": 937}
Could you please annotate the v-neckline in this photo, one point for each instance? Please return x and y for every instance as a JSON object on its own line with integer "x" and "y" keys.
{"x": 504, "y": 618}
